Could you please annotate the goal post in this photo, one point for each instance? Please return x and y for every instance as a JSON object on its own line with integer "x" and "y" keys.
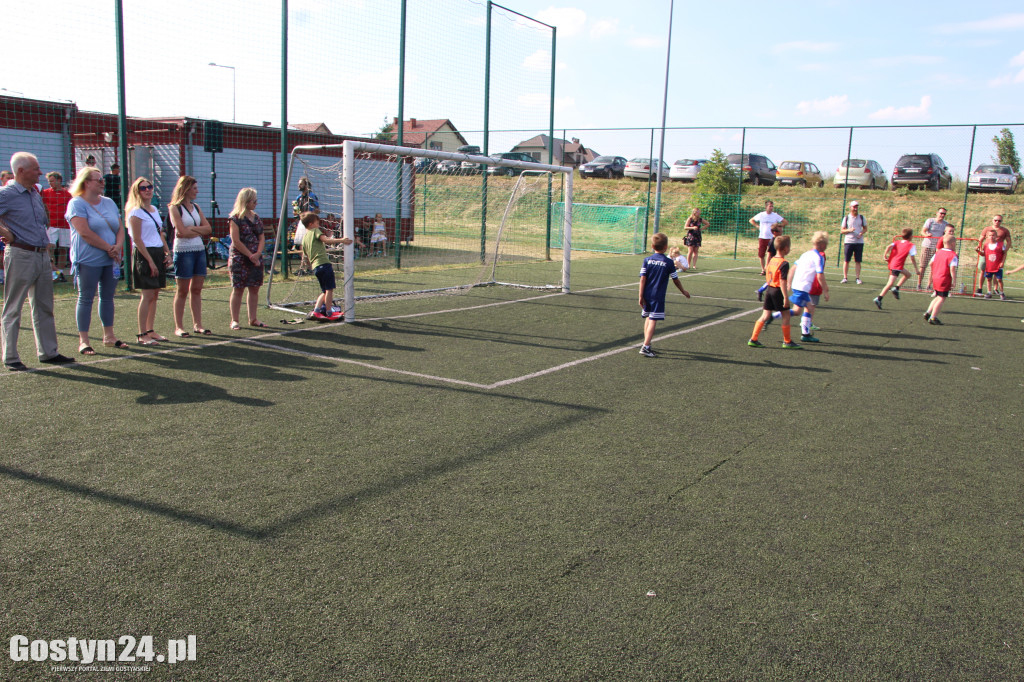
{"x": 439, "y": 230}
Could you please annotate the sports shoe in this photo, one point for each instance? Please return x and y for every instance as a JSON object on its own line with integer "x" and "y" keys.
{"x": 757, "y": 344}
{"x": 815, "y": 328}
{"x": 791, "y": 344}
{"x": 858, "y": 281}
{"x": 842, "y": 281}
{"x": 1002, "y": 296}
{"x": 927, "y": 315}
{"x": 935, "y": 320}
{"x": 760, "y": 295}
{"x": 877, "y": 301}
{"x": 988, "y": 295}
{"x": 896, "y": 294}
{"x": 807, "y": 338}
{"x": 647, "y": 352}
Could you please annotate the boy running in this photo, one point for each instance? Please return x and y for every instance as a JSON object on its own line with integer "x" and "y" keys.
{"x": 655, "y": 272}
{"x": 943, "y": 275}
{"x": 777, "y": 276}
{"x": 896, "y": 254}
{"x": 807, "y": 281}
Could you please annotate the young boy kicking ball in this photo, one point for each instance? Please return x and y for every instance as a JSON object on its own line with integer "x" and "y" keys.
{"x": 808, "y": 284}
{"x": 943, "y": 275}
{"x": 777, "y": 278}
{"x": 655, "y": 272}
{"x": 896, "y": 254}
{"x": 314, "y": 247}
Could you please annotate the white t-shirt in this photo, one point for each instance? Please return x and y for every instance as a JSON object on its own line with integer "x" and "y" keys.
{"x": 767, "y": 220}
{"x": 681, "y": 262}
{"x": 188, "y": 219}
{"x": 151, "y": 226}
{"x": 857, "y": 224}
{"x": 806, "y": 268}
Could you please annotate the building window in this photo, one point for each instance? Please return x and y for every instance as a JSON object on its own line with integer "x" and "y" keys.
{"x": 436, "y": 145}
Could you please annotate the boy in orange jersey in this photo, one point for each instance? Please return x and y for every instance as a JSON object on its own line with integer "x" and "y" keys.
{"x": 943, "y": 275}
{"x": 896, "y": 254}
{"x": 776, "y": 295}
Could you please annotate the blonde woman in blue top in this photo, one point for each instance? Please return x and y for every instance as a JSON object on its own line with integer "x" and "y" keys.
{"x": 97, "y": 238}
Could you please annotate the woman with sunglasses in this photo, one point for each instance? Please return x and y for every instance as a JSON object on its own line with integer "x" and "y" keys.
{"x": 97, "y": 237}
{"x": 190, "y": 226}
{"x": 150, "y": 256}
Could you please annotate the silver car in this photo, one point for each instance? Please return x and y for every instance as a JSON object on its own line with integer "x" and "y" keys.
{"x": 992, "y": 178}
{"x": 685, "y": 170}
{"x": 864, "y": 173}
{"x": 644, "y": 168}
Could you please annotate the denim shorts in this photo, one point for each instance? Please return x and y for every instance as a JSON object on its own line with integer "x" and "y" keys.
{"x": 189, "y": 264}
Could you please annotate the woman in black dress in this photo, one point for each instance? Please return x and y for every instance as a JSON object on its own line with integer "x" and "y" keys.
{"x": 694, "y": 225}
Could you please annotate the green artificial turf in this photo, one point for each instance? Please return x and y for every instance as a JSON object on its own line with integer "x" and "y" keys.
{"x": 370, "y": 501}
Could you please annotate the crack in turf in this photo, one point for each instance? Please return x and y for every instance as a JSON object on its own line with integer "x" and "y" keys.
{"x": 578, "y": 563}
{"x": 704, "y": 476}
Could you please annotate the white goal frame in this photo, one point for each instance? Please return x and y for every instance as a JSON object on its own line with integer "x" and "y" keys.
{"x": 352, "y": 147}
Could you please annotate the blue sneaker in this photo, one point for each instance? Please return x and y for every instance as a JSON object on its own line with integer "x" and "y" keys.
{"x": 807, "y": 338}
{"x": 791, "y": 345}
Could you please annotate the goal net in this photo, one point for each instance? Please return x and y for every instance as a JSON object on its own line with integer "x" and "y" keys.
{"x": 605, "y": 228}
{"x": 416, "y": 231}
{"x": 967, "y": 271}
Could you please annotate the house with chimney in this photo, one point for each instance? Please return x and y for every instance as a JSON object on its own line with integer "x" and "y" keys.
{"x": 435, "y": 133}
{"x": 565, "y": 153}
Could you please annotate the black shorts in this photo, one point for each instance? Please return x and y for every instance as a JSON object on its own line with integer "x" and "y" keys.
{"x": 144, "y": 278}
{"x": 943, "y": 294}
{"x": 774, "y": 300}
{"x": 325, "y": 275}
{"x": 897, "y": 273}
{"x": 856, "y": 251}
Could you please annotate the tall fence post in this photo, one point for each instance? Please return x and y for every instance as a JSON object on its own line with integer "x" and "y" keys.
{"x": 487, "y": 125}
{"x": 739, "y": 195}
{"x": 967, "y": 182}
{"x": 647, "y": 217}
{"x": 282, "y": 229}
{"x": 551, "y": 133}
{"x": 399, "y": 181}
{"x": 846, "y": 186}
{"x": 122, "y": 135}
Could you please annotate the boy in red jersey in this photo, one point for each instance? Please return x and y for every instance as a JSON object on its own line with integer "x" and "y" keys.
{"x": 943, "y": 275}
{"x": 993, "y": 251}
{"x": 776, "y": 295}
{"x": 896, "y": 254}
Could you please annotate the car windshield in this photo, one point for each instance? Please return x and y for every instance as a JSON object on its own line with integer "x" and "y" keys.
{"x": 790, "y": 165}
{"x": 686, "y": 162}
{"x": 639, "y": 160}
{"x": 854, "y": 163}
{"x": 1001, "y": 170}
{"x": 914, "y": 161}
{"x": 604, "y": 159}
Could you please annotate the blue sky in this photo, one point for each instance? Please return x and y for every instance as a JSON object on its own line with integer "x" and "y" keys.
{"x": 733, "y": 64}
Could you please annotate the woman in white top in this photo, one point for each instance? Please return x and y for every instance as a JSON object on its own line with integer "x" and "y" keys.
{"x": 190, "y": 226}
{"x": 150, "y": 256}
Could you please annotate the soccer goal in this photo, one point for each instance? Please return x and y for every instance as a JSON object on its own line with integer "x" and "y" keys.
{"x": 417, "y": 230}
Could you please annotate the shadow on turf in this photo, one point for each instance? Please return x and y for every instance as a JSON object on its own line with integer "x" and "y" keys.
{"x": 203, "y": 392}
{"x": 244, "y": 362}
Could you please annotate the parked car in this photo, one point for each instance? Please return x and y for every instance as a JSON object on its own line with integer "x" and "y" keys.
{"x": 861, "y": 173}
{"x": 992, "y": 178}
{"x": 423, "y": 165}
{"x": 685, "y": 170}
{"x": 802, "y": 173}
{"x": 921, "y": 170}
{"x": 469, "y": 166}
{"x": 447, "y": 167}
{"x": 757, "y": 169}
{"x": 604, "y": 167}
{"x": 507, "y": 170}
{"x": 644, "y": 168}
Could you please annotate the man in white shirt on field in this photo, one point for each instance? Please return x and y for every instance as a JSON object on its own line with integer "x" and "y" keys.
{"x": 764, "y": 221}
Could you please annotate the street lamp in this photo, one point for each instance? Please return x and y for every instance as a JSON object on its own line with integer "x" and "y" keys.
{"x": 222, "y": 66}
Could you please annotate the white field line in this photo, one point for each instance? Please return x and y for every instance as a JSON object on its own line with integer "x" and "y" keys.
{"x": 289, "y": 332}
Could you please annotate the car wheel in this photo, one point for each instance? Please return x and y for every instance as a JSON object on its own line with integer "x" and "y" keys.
{"x": 802, "y": 183}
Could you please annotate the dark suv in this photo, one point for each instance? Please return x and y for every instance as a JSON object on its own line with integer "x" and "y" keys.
{"x": 921, "y": 170}
{"x": 757, "y": 169}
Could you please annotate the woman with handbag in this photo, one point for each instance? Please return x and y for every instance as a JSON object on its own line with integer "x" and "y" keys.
{"x": 150, "y": 256}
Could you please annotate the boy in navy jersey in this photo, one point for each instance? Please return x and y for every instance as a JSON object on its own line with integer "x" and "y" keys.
{"x": 655, "y": 272}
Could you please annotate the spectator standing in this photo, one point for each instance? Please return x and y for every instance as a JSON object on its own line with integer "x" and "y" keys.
{"x": 764, "y": 222}
{"x": 56, "y": 198}
{"x": 853, "y": 228}
{"x": 97, "y": 239}
{"x": 306, "y": 201}
{"x": 150, "y": 257}
{"x": 932, "y": 232}
{"x": 694, "y": 236}
{"x": 245, "y": 259}
{"x": 112, "y": 185}
{"x": 23, "y": 225}
{"x": 190, "y": 226}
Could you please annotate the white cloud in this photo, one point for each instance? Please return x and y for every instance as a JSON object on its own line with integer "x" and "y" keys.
{"x": 907, "y": 113}
{"x": 568, "y": 20}
{"x": 835, "y": 105}
{"x": 1018, "y": 60}
{"x": 645, "y": 42}
{"x": 604, "y": 27}
{"x": 1008, "y": 79}
{"x": 803, "y": 46}
{"x": 1005, "y": 22}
